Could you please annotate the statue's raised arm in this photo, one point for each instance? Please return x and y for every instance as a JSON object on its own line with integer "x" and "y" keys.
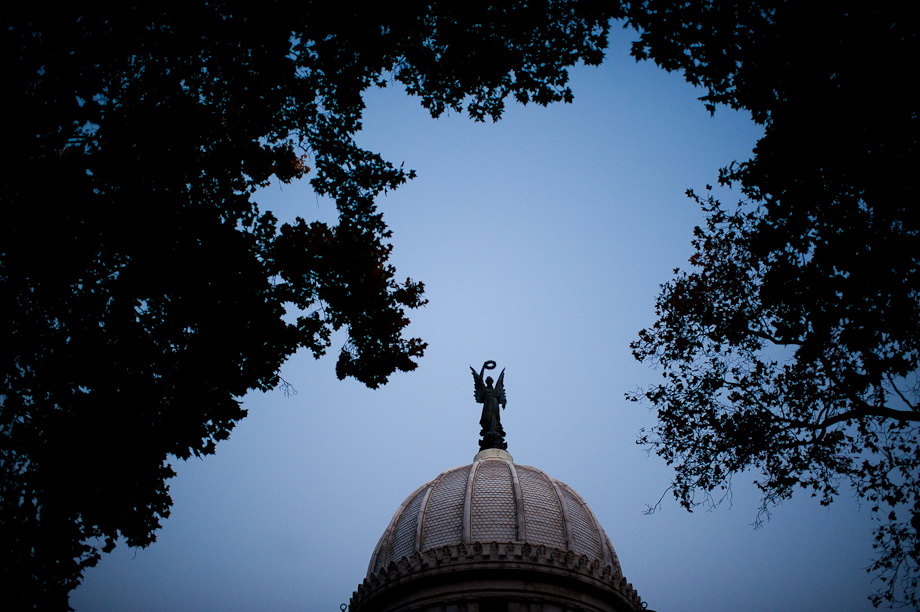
{"x": 493, "y": 436}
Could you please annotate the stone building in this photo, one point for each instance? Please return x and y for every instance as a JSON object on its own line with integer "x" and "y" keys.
{"x": 494, "y": 536}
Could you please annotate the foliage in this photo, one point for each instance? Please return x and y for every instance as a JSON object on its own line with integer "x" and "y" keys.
{"x": 144, "y": 292}
{"x": 792, "y": 345}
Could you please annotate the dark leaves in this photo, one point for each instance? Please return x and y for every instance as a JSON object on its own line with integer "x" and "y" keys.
{"x": 143, "y": 289}
{"x": 790, "y": 347}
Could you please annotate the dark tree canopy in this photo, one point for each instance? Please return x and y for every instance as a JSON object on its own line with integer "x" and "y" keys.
{"x": 791, "y": 347}
{"x": 142, "y": 290}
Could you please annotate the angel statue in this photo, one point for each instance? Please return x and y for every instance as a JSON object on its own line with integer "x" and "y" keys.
{"x": 493, "y": 436}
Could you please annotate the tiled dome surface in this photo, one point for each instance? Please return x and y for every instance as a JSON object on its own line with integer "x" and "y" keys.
{"x": 493, "y": 500}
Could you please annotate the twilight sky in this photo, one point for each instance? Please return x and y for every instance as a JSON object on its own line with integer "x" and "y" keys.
{"x": 542, "y": 240}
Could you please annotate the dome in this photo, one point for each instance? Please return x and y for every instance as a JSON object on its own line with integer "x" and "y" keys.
{"x": 493, "y": 500}
{"x": 495, "y": 514}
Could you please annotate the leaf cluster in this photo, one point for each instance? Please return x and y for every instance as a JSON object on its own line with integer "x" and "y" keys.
{"x": 791, "y": 345}
{"x": 143, "y": 291}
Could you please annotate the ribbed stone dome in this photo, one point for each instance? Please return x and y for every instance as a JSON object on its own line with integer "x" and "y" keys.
{"x": 494, "y": 500}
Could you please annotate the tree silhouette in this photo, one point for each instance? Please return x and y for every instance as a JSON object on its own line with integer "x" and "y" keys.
{"x": 143, "y": 291}
{"x": 792, "y": 346}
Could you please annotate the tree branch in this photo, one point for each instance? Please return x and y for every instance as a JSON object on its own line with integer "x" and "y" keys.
{"x": 901, "y": 395}
{"x": 881, "y": 411}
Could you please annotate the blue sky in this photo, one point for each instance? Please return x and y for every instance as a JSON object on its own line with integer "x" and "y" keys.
{"x": 542, "y": 240}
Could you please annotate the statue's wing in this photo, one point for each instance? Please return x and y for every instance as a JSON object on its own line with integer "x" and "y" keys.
{"x": 478, "y": 385}
{"x": 500, "y": 388}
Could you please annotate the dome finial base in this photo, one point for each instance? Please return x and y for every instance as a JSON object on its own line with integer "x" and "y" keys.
{"x": 493, "y": 453}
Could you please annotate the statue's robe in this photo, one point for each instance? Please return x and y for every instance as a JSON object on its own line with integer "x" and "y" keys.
{"x": 491, "y": 417}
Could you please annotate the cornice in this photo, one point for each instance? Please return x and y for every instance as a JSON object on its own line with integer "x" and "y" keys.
{"x": 491, "y": 556}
